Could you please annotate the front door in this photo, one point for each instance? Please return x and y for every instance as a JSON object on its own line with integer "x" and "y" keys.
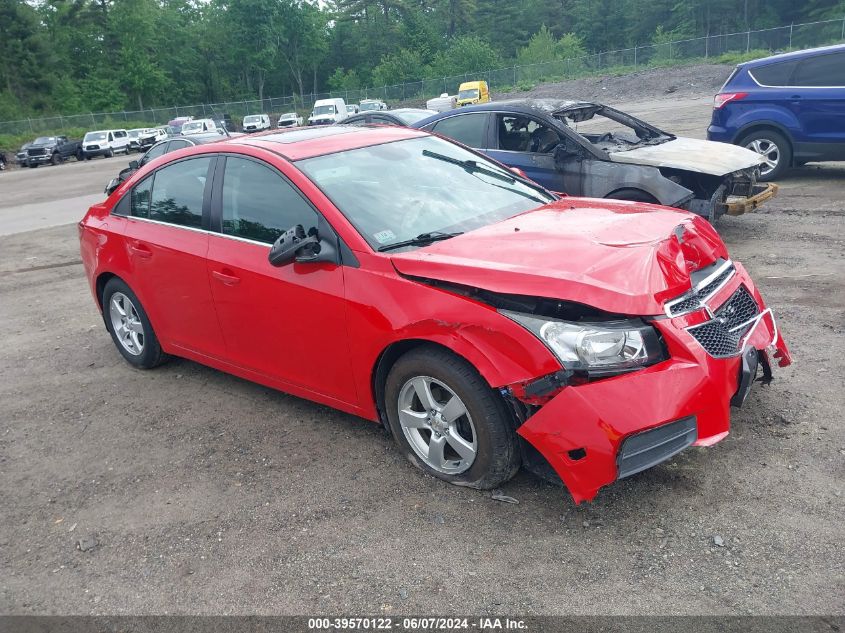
{"x": 287, "y": 322}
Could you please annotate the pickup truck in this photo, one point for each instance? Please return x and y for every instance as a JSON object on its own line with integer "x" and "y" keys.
{"x": 52, "y": 149}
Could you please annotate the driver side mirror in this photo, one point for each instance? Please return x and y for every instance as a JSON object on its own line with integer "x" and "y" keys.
{"x": 134, "y": 164}
{"x": 295, "y": 245}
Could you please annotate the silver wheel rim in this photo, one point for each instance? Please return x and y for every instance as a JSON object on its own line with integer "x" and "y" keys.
{"x": 437, "y": 425}
{"x": 126, "y": 323}
{"x": 769, "y": 151}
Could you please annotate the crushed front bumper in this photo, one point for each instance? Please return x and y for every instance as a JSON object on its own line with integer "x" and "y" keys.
{"x": 594, "y": 433}
{"x": 738, "y": 206}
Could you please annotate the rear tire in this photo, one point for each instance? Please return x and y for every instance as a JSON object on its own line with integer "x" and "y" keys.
{"x": 129, "y": 326}
{"x": 774, "y": 147}
{"x": 459, "y": 430}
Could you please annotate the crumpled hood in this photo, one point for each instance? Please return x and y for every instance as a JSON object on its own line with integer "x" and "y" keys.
{"x": 621, "y": 257}
{"x": 708, "y": 157}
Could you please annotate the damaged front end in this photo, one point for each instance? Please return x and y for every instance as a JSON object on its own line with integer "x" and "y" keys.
{"x": 715, "y": 196}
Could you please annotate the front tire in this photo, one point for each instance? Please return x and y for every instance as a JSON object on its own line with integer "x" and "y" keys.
{"x": 129, "y": 326}
{"x": 109, "y": 153}
{"x": 55, "y": 159}
{"x": 772, "y": 146}
{"x": 448, "y": 421}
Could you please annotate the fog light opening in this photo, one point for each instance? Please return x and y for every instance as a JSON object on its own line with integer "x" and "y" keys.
{"x": 577, "y": 453}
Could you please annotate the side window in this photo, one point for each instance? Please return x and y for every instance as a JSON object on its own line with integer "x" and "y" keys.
{"x": 178, "y": 144}
{"x": 464, "y": 128}
{"x": 822, "y": 70}
{"x": 522, "y": 134}
{"x": 139, "y": 205}
{"x": 178, "y": 191}
{"x": 778, "y": 74}
{"x": 258, "y": 204}
{"x": 154, "y": 152}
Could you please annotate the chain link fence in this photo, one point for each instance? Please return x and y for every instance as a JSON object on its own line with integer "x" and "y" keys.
{"x": 791, "y": 37}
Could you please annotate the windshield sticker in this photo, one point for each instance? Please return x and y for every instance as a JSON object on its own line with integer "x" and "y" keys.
{"x": 384, "y": 236}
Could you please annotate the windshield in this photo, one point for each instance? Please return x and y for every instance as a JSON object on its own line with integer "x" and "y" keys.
{"x": 468, "y": 94}
{"x": 95, "y": 136}
{"x": 44, "y": 140}
{"x": 288, "y": 117}
{"x": 372, "y": 105}
{"x": 254, "y": 118}
{"x": 609, "y": 129}
{"x": 397, "y": 191}
{"x": 134, "y": 133}
{"x": 324, "y": 109}
{"x": 192, "y": 126}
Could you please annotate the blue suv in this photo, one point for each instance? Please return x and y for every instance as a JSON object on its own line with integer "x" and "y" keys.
{"x": 789, "y": 108}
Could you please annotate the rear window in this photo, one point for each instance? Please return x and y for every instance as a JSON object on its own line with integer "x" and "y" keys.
{"x": 823, "y": 70}
{"x": 778, "y": 74}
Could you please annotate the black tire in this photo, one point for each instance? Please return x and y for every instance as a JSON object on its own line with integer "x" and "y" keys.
{"x": 152, "y": 354}
{"x": 779, "y": 141}
{"x": 497, "y": 457}
{"x": 634, "y": 195}
{"x": 32, "y": 165}
{"x": 109, "y": 153}
{"x": 80, "y": 155}
{"x": 86, "y": 156}
{"x": 55, "y": 159}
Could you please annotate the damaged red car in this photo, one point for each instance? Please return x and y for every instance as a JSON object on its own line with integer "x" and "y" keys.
{"x": 486, "y": 322}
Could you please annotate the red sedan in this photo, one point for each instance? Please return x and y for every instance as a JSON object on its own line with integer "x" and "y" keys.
{"x": 395, "y": 275}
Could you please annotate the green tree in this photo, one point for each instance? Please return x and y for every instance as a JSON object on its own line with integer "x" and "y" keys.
{"x": 465, "y": 54}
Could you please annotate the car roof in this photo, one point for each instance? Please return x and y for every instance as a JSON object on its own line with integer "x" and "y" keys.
{"x": 807, "y": 52}
{"x": 519, "y": 106}
{"x": 300, "y": 143}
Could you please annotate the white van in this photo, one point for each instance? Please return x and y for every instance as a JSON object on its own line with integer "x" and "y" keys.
{"x": 368, "y": 105}
{"x": 105, "y": 143}
{"x": 443, "y": 103}
{"x": 327, "y": 111}
{"x": 198, "y": 126}
{"x": 256, "y": 122}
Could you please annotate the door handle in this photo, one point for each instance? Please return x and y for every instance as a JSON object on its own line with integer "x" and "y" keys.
{"x": 141, "y": 250}
{"x": 229, "y": 280}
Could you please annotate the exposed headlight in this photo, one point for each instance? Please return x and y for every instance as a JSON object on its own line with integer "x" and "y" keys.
{"x": 603, "y": 347}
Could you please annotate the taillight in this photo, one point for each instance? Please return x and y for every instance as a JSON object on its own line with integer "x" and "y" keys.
{"x": 726, "y": 97}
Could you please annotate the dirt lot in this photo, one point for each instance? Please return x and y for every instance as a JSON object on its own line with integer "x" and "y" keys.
{"x": 208, "y": 494}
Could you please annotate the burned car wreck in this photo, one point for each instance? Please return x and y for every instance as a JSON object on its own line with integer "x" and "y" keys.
{"x": 593, "y": 150}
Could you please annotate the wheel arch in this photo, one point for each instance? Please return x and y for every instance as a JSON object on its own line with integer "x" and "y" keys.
{"x": 758, "y": 126}
{"x": 638, "y": 190}
{"x": 397, "y": 349}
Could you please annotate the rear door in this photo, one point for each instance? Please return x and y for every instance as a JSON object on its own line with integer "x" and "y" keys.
{"x": 285, "y": 322}
{"x": 167, "y": 242}
{"x": 819, "y": 102}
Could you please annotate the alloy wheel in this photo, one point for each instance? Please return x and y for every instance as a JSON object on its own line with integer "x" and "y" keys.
{"x": 126, "y": 323}
{"x": 769, "y": 151}
{"x": 437, "y": 425}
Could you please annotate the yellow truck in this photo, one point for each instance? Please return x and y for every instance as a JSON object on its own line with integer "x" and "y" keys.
{"x": 473, "y": 92}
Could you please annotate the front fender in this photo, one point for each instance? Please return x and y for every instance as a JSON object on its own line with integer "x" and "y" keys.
{"x": 501, "y": 350}
{"x": 601, "y": 178}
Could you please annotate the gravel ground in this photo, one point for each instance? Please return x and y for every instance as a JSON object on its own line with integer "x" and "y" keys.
{"x": 191, "y": 491}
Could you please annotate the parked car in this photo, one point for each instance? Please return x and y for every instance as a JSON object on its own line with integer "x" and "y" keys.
{"x": 200, "y": 126}
{"x": 442, "y": 103}
{"x": 368, "y": 105}
{"x": 51, "y": 149}
{"x": 402, "y": 278}
{"x": 472, "y": 93}
{"x": 256, "y": 123}
{"x": 150, "y": 136}
{"x": 134, "y": 143}
{"x": 400, "y": 116}
{"x": 327, "y": 111}
{"x": 177, "y": 123}
{"x": 352, "y": 109}
{"x": 788, "y": 108}
{"x": 21, "y": 156}
{"x": 2, "y": 160}
{"x": 590, "y": 149}
{"x": 105, "y": 143}
{"x": 160, "y": 149}
{"x": 291, "y": 119}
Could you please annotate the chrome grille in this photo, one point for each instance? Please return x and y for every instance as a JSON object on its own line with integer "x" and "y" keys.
{"x": 722, "y": 335}
{"x": 695, "y": 298}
